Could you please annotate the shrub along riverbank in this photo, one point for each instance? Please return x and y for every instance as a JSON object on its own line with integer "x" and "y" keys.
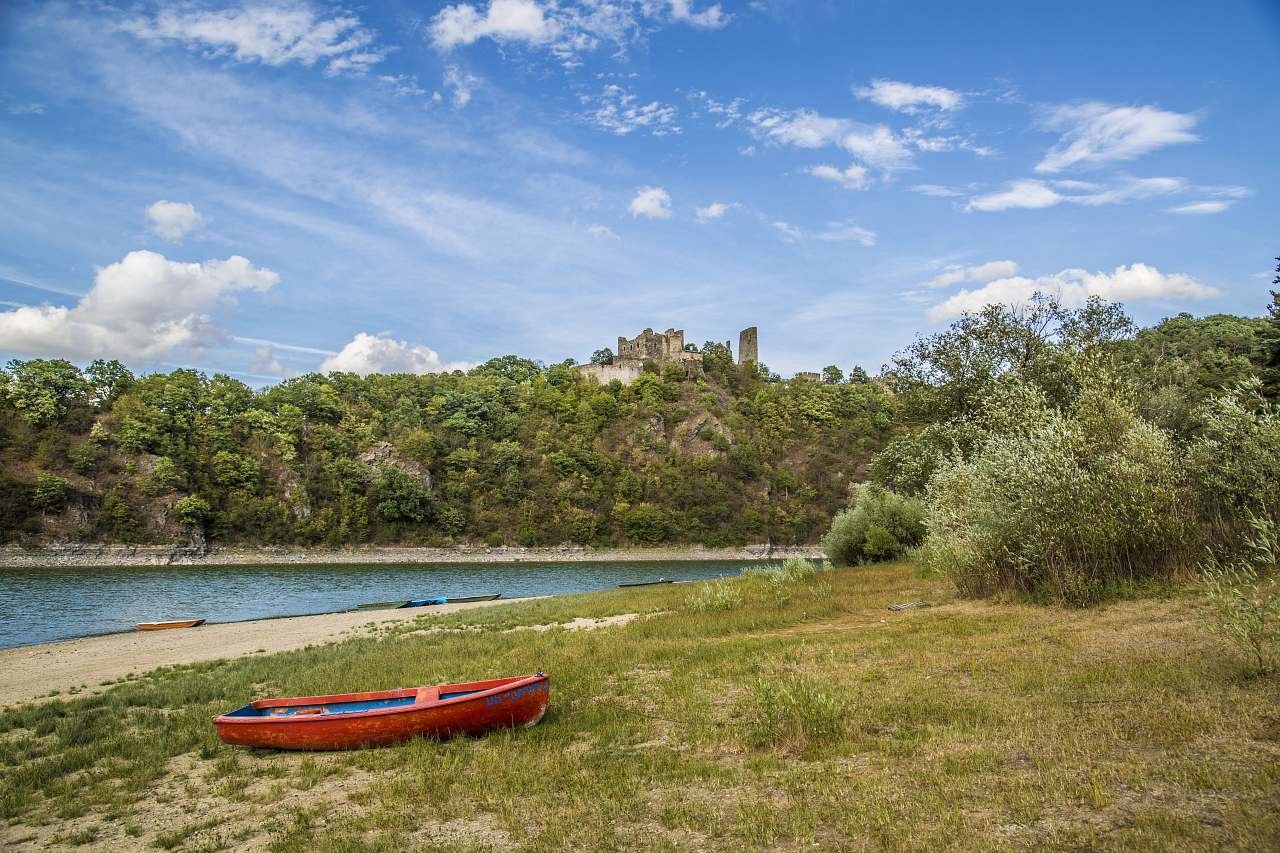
{"x": 786, "y": 708}
{"x": 1057, "y": 456}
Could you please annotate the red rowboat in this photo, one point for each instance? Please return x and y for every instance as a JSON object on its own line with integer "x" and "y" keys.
{"x": 352, "y": 720}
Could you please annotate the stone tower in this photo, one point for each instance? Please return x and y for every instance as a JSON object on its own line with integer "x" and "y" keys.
{"x": 748, "y": 346}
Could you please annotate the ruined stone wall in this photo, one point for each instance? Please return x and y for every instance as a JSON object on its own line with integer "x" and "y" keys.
{"x": 626, "y": 373}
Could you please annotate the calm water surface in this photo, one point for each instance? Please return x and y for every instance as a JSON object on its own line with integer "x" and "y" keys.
{"x": 39, "y": 605}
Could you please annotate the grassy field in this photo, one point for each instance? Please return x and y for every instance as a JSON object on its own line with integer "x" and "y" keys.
{"x": 770, "y": 711}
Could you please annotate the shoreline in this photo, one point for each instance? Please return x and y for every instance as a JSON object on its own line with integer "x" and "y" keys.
{"x": 70, "y": 555}
{"x": 29, "y": 673}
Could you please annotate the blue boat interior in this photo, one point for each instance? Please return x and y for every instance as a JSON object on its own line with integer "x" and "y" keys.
{"x": 423, "y": 602}
{"x": 337, "y": 707}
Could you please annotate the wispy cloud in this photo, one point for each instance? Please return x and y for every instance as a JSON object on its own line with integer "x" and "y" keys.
{"x": 715, "y": 210}
{"x": 1034, "y": 194}
{"x": 567, "y": 29}
{"x": 981, "y": 273}
{"x": 832, "y": 232}
{"x": 853, "y": 177}
{"x": 910, "y": 98}
{"x": 270, "y": 34}
{"x": 1096, "y": 133}
{"x": 1200, "y": 207}
{"x": 621, "y": 112}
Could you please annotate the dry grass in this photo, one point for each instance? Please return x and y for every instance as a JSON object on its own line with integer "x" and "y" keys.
{"x": 962, "y": 726}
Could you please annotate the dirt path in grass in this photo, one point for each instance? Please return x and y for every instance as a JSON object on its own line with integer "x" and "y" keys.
{"x": 30, "y": 672}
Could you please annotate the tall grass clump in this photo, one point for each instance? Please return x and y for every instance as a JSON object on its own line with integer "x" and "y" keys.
{"x": 794, "y": 711}
{"x": 879, "y": 525}
{"x": 780, "y": 580}
{"x": 1244, "y": 597}
{"x": 1060, "y": 504}
{"x": 716, "y": 596}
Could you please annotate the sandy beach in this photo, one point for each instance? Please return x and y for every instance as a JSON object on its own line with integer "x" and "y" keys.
{"x": 31, "y": 672}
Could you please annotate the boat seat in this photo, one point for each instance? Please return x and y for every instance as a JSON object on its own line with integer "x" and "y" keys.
{"x": 429, "y": 694}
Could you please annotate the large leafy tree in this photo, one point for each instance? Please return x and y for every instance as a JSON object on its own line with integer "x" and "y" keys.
{"x": 943, "y": 375}
{"x": 43, "y": 390}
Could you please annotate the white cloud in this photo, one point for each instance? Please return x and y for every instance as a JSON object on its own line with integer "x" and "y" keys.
{"x": 936, "y": 190}
{"x": 1033, "y": 194}
{"x": 653, "y": 202}
{"x": 710, "y": 18}
{"x": 853, "y": 178}
{"x": 380, "y": 353}
{"x": 273, "y": 35}
{"x": 504, "y": 20}
{"x": 402, "y": 85}
{"x": 989, "y": 271}
{"x": 875, "y": 145}
{"x": 908, "y": 98}
{"x": 460, "y": 85}
{"x": 601, "y": 232}
{"x": 1100, "y": 133}
{"x": 619, "y": 112}
{"x": 1200, "y": 207}
{"x": 802, "y": 128}
{"x": 567, "y": 28}
{"x": 138, "y": 308}
{"x": 1074, "y": 287}
{"x": 727, "y": 113}
{"x": 1025, "y": 194}
{"x": 174, "y": 220}
{"x": 713, "y": 211}
{"x": 832, "y": 232}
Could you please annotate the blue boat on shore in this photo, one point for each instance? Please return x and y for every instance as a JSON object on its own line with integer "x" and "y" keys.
{"x": 426, "y": 602}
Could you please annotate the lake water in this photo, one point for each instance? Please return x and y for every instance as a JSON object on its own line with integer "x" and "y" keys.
{"x": 40, "y": 605}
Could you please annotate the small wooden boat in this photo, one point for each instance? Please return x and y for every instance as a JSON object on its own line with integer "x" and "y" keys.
{"x": 165, "y": 626}
{"x": 353, "y": 720}
{"x": 647, "y": 583}
{"x": 426, "y": 602}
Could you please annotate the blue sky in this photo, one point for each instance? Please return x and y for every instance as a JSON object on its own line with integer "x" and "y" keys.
{"x": 271, "y": 188}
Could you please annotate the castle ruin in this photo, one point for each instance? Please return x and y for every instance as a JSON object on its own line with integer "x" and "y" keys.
{"x": 748, "y": 346}
{"x": 661, "y": 349}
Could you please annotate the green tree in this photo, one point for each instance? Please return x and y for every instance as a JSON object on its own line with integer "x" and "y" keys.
{"x": 50, "y": 493}
{"x": 832, "y": 375}
{"x": 602, "y": 356}
{"x": 400, "y": 496}
{"x": 42, "y": 390}
{"x": 192, "y": 510}
{"x": 108, "y": 379}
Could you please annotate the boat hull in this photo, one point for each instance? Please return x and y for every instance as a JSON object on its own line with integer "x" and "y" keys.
{"x": 166, "y": 626}
{"x": 394, "y": 715}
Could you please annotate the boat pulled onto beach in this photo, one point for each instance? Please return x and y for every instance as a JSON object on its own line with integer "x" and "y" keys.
{"x": 166, "y": 626}
{"x": 426, "y": 602}
{"x": 355, "y": 720}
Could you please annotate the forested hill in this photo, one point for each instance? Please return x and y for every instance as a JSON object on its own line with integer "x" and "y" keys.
{"x": 510, "y": 452}
{"x": 513, "y": 452}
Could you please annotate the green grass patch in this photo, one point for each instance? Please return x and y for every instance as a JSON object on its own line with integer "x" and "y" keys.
{"x": 800, "y": 713}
